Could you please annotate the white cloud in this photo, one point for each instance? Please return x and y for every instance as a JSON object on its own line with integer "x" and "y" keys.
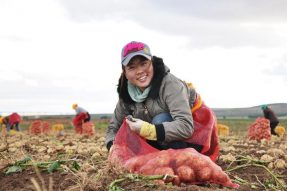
{"x": 32, "y": 83}
{"x": 8, "y": 75}
{"x": 207, "y": 23}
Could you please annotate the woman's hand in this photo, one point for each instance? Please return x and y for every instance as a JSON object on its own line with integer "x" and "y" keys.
{"x": 135, "y": 124}
{"x": 143, "y": 128}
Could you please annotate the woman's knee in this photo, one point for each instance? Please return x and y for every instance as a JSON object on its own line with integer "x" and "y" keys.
{"x": 162, "y": 117}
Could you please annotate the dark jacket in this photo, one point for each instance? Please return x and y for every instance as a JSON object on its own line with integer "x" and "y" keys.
{"x": 270, "y": 115}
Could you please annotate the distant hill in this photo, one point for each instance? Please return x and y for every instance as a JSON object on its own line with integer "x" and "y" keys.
{"x": 280, "y": 110}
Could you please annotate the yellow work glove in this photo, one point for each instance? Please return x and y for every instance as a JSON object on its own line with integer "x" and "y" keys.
{"x": 143, "y": 128}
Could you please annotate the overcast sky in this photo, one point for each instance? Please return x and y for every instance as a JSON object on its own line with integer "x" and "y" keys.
{"x": 54, "y": 53}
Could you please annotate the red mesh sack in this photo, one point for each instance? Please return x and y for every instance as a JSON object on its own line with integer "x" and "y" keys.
{"x": 88, "y": 129}
{"x": 186, "y": 165}
{"x": 260, "y": 129}
{"x": 14, "y": 118}
{"x": 205, "y": 130}
{"x": 78, "y": 122}
{"x": 35, "y": 127}
{"x": 78, "y": 129}
{"x": 46, "y": 128}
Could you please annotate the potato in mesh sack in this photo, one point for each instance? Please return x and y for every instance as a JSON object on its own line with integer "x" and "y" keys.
{"x": 38, "y": 127}
{"x": 35, "y": 127}
{"x": 223, "y": 130}
{"x": 280, "y": 130}
{"x": 260, "y": 129}
{"x": 88, "y": 129}
{"x": 58, "y": 129}
{"x": 119, "y": 154}
{"x": 185, "y": 165}
{"x": 46, "y": 127}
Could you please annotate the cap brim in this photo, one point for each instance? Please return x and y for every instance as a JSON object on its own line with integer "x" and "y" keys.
{"x": 130, "y": 56}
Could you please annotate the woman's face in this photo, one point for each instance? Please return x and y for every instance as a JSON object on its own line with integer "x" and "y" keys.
{"x": 139, "y": 72}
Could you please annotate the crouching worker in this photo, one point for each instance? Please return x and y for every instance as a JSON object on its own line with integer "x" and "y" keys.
{"x": 270, "y": 115}
{"x": 81, "y": 117}
{"x": 11, "y": 122}
{"x": 166, "y": 111}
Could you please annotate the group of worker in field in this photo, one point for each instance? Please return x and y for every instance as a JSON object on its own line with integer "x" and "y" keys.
{"x": 12, "y": 121}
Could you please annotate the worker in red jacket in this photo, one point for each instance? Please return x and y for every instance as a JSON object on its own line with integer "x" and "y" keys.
{"x": 12, "y": 121}
{"x": 82, "y": 116}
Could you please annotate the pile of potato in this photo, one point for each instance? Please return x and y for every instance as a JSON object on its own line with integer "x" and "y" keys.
{"x": 260, "y": 129}
{"x": 3, "y": 130}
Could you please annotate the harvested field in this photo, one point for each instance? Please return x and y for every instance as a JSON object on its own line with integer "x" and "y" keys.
{"x": 76, "y": 162}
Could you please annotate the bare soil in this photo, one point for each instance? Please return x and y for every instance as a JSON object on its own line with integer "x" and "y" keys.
{"x": 97, "y": 174}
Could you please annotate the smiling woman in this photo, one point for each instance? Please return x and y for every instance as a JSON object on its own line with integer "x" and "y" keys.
{"x": 165, "y": 110}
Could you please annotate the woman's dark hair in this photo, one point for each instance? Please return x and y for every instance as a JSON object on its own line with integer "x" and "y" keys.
{"x": 159, "y": 73}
